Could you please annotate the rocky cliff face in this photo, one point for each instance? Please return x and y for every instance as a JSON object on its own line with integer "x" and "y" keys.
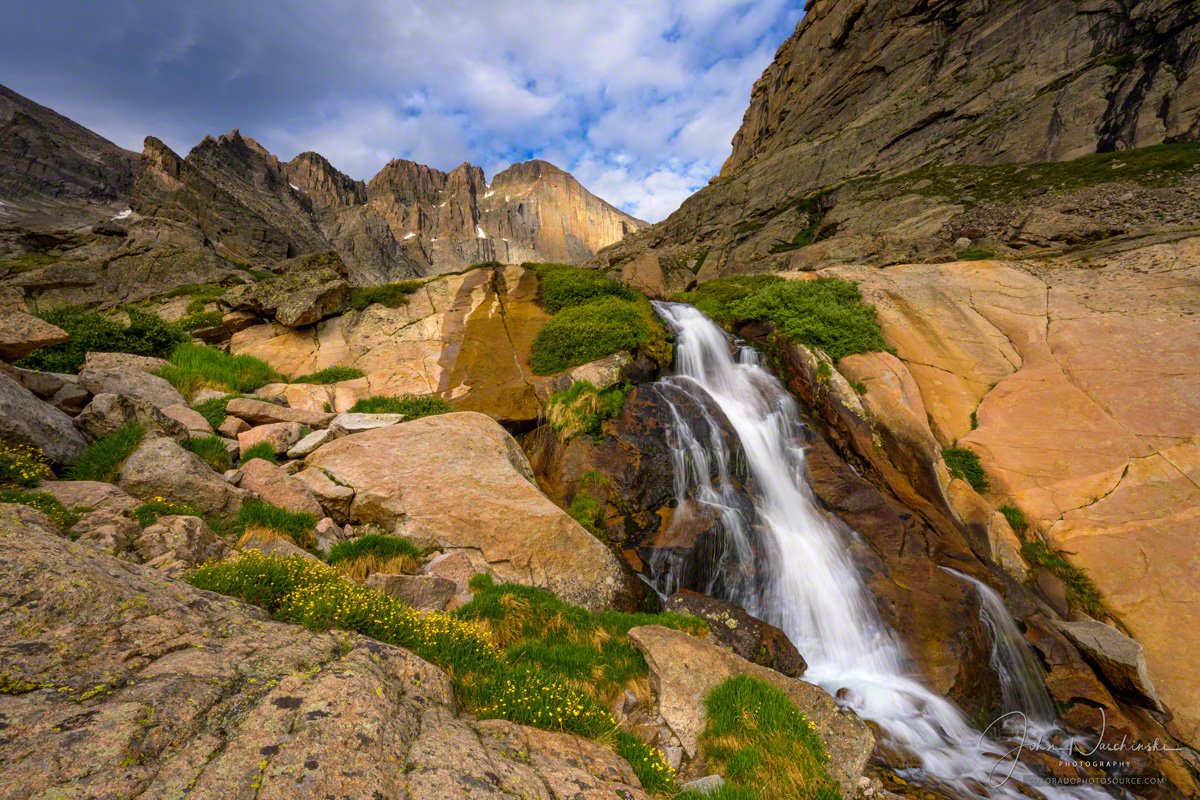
{"x": 54, "y": 172}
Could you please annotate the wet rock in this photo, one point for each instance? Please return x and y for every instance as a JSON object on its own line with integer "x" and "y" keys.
{"x": 108, "y": 412}
{"x": 751, "y": 638}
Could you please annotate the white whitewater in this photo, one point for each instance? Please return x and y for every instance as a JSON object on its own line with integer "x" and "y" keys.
{"x": 811, "y": 589}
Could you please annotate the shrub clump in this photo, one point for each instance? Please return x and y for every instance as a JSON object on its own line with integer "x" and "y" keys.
{"x": 146, "y": 335}
{"x": 391, "y": 295}
{"x": 965, "y": 464}
{"x": 1016, "y": 518}
{"x": 22, "y": 466}
{"x": 1081, "y": 590}
{"x": 195, "y": 367}
{"x": 757, "y": 738}
{"x": 412, "y": 406}
{"x": 200, "y": 319}
{"x": 583, "y": 409}
{"x": 564, "y": 286}
{"x": 580, "y": 334}
{"x": 211, "y": 449}
{"x": 103, "y": 459}
{"x": 374, "y": 552}
{"x": 44, "y": 502}
{"x": 263, "y": 450}
{"x": 330, "y": 375}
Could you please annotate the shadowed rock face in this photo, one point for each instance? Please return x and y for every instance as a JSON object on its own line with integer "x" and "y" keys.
{"x": 54, "y": 172}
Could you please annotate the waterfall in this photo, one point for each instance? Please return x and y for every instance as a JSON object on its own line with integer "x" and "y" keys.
{"x": 806, "y": 584}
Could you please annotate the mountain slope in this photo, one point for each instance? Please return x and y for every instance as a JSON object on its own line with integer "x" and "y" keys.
{"x": 54, "y": 171}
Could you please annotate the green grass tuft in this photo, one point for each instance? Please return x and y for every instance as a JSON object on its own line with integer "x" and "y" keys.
{"x": 201, "y": 319}
{"x": 376, "y": 544}
{"x": 757, "y": 738}
{"x": 1081, "y": 590}
{"x": 214, "y": 410}
{"x": 330, "y": 375}
{"x": 413, "y": 406}
{"x": 146, "y": 335}
{"x": 195, "y": 367}
{"x": 391, "y": 295}
{"x": 263, "y": 450}
{"x": 211, "y": 449}
{"x": 583, "y": 409}
{"x": 103, "y": 459}
{"x": 1016, "y": 518}
{"x": 965, "y": 464}
{"x": 148, "y": 512}
{"x": 296, "y": 525}
{"x": 44, "y": 502}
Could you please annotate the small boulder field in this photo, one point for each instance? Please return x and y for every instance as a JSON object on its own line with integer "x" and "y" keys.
{"x": 217, "y": 586}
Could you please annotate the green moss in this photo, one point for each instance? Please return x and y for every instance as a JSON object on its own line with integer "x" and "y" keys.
{"x": 583, "y": 409}
{"x": 975, "y": 255}
{"x": 412, "y": 406}
{"x": 211, "y": 449}
{"x": 965, "y": 464}
{"x": 391, "y": 295}
{"x": 263, "y": 450}
{"x": 587, "y": 511}
{"x": 146, "y": 335}
{"x": 757, "y": 738}
{"x": 28, "y": 262}
{"x": 1081, "y": 590}
{"x": 205, "y": 293}
{"x": 103, "y": 459}
{"x": 195, "y": 367}
{"x": 148, "y": 513}
{"x": 201, "y": 319}
{"x": 44, "y": 502}
{"x": 330, "y": 375}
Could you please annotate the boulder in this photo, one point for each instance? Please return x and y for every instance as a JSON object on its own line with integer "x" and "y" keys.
{"x": 309, "y": 444}
{"x": 90, "y": 494}
{"x": 123, "y": 361}
{"x": 333, "y": 497}
{"x": 311, "y": 288}
{"x": 161, "y": 468}
{"x": 110, "y": 532}
{"x": 280, "y": 435}
{"x": 422, "y": 592}
{"x": 684, "y": 669}
{"x": 1119, "y": 659}
{"x": 345, "y": 424}
{"x": 231, "y": 427}
{"x": 258, "y": 412}
{"x": 278, "y": 488}
{"x": 749, "y": 637}
{"x": 648, "y": 275}
{"x": 24, "y": 419}
{"x": 177, "y": 545}
{"x": 43, "y": 384}
{"x": 23, "y": 515}
{"x": 21, "y": 334}
{"x": 461, "y": 481}
{"x": 192, "y": 419}
{"x": 71, "y": 398}
{"x": 602, "y": 373}
{"x": 130, "y": 381}
{"x": 328, "y": 533}
{"x": 108, "y": 412}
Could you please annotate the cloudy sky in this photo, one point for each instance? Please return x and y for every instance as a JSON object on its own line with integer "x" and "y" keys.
{"x": 638, "y": 98}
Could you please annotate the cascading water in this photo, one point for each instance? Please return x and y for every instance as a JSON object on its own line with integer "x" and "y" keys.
{"x": 806, "y": 584}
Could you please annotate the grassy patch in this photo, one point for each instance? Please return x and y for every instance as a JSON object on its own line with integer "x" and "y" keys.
{"x": 581, "y": 334}
{"x": 297, "y": 526}
{"x": 44, "y": 502}
{"x": 1016, "y": 518}
{"x": 359, "y": 558}
{"x": 583, "y": 409}
{"x": 760, "y": 741}
{"x": 1081, "y": 591}
{"x": 148, "y": 512}
{"x": 412, "y": 406}
{"x": 974, "y": 254}
{"x": 211, "y": 449}
{"x": 826, "y": 312}
{"x": 263, "y": 450}
{"x": 103, "y": 459}
{"x": 481, "y": 646}
{"x": 146, "y": 335}
{"x": 214, "y": 410}
{"x": 964, "y": 463}
{"x": 330, "y": 375}
{"x": 28, "y": 262}
{"x": 565, "y": 286}
{"x": 195, "y": 367}
{"x": 201, "y": 319}
{"x": 205, "y": 293}
{"x": 22, "y": 466}
{"x": 391, "y": 295}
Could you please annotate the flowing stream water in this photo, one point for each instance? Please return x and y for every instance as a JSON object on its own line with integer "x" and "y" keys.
{"x": 787, "y": 563}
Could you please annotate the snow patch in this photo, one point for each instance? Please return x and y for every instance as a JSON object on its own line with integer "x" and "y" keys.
{"x": 489, "y": 194}
{"x": 442, "y": 205}
{"x": 294, "y": 186}
{"x": 409, "y": 236}
{"x": 124, "y": 214}
{"x": 479, "y": 232}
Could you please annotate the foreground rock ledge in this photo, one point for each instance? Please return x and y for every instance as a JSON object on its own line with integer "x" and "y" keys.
{"x": 120, "y": 682}
{"x": 460, "y": 481}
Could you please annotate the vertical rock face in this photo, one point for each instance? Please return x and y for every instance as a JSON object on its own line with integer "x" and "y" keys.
{"x": 54, "y": 171}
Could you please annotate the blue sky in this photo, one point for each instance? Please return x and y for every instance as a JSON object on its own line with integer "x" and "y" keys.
{"x": 638, "y": 98}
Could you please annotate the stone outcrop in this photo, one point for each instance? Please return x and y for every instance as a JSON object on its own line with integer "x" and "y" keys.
{"x": 160, "y": 468}
{"x": 750, "y": 638}
{"x": 211, "y": 699}
{"x": 309, "y": 289}
{"x": 1118, "y": 658}
{"x": 684, "y": 669}
{"x": 21, "y": 334}
{"x": 132, "y": 382}
{"x": 108, "y": 412}
{"x": 459, "y": 481}
{"x": 27, "y": 420}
